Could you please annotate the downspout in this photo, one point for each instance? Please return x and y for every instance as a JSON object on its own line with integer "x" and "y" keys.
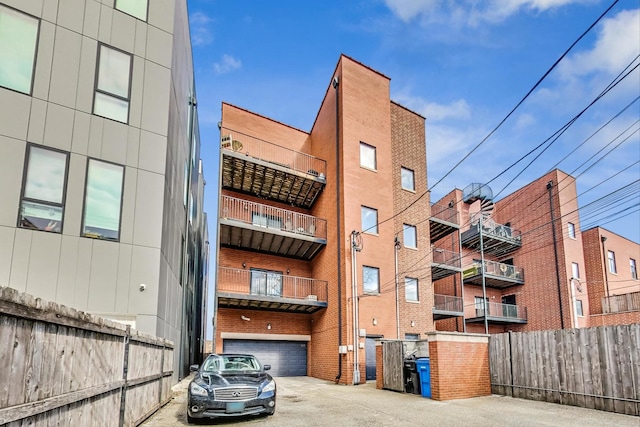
{"x": 354, "y": 296}
{"x": 604, "y": 259}
{"x": 484, "y": 280}
{"x": 335, "y": 84}
{"x": 395, "y": 252}
{"x": 555, "y": 251}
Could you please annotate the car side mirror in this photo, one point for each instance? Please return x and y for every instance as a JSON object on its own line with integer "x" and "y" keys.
{"x": 267, "y": 367}
{"x": 193, "y": 368}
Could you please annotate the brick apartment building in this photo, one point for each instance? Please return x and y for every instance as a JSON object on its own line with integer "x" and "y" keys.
{"x": 540, "y": 271}
{"x": 308, "y": 220}
{"x": 101, "y": 181}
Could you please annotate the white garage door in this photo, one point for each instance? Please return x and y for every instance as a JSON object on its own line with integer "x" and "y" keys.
{"x": 287, "y": 358}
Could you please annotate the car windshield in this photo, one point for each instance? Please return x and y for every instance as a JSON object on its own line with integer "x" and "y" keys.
{"x": 236, "y": 363}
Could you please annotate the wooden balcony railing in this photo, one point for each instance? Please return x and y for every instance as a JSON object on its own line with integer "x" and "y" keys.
{"x": 620, "y": 303}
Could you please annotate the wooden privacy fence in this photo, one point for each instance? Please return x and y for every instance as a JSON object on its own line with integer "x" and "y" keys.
{"x": 59, "y": 366}
{"x": 596, "y": 368}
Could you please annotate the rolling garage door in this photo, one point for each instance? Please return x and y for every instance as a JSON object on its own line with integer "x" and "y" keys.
{"x": 287, "y": 358}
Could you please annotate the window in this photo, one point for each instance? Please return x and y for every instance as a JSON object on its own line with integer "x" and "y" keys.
{"x": 572, "y": 230}
{"x": 410, "y": 236}
{"x": 43, "y": 191}
{"x": 611, "y": 256}
{"x": 370, "y": 280}
{"x": 575, "y": 270}
{"x": 410, "y": 289}
{"x": 579, "y": 311}
{"x": 634, "y": 271}
{"x": 266, "y": 282}
{"x": 103, "y": 200}
{"x": 408, "y": 183}
{"x": 412, "y": 337}
{"x": 367, "y": 156}
{"x": 185, "y": 188}
{"x": 135, "y": 8}
{"x": 18, "y": 42}
{"x": 113, "y": 84}
{"x": 369, "y": 220}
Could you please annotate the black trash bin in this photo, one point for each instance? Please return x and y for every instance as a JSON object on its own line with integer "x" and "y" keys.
{"x": 411, "y": 376}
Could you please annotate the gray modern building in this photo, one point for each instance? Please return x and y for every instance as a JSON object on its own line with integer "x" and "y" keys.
{"x": 101, "y": 183}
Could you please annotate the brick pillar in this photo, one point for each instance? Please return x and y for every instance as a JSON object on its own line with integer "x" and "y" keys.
{"x": 379, "y": 366}
{"x": 459, "y": 365}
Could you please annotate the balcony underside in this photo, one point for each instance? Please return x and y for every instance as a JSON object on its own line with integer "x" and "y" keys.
{"x": 445, "y": 314}
{"x": 440, "y": 228}
{"x": 491, "y": 281}
{"x": 238, "y": 235}
{"x": 492, "y": 245}
{"x": 248, "y": 175}
{"x": 497, "y": 320}
{"x": 440, "y": 271}
{"x": 269, "y": 303}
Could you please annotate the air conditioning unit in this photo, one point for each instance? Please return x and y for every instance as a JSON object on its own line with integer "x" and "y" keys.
{"x": 226, "y": 141}
{"x": 312, "y": 297}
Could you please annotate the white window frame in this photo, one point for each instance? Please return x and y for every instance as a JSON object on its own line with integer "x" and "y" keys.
{"x": 368, "y": 228}
{"x": 366, "y": 151}
{"x": 366, "y": 288}
{"x": 571, "y": 228}
{"x": 408, "y": 173}
{"x": 633, "y": 268}
{"x": 407, "y": 228}
{"x": 575, "y": 270}
{"x": 409, "y": 283}
{"x": 611, "y": 261}
{"x": 579, "y": 308}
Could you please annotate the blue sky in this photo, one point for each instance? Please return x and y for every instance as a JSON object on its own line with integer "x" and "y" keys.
{"x": 463, "y": 65}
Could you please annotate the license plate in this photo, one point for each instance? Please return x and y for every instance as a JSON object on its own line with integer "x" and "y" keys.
{"x": 233, "y": 407}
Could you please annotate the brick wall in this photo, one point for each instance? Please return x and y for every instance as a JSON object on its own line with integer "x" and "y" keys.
{"x": 625, "y": 318}
{"x": 459, "y": 365}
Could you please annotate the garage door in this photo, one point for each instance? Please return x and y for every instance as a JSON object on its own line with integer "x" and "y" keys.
{"x": 287, "y": 358}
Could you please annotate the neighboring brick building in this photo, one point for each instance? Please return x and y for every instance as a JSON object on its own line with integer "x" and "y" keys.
{"x": 535, "y": 277}
{"x": 303, "y": 214}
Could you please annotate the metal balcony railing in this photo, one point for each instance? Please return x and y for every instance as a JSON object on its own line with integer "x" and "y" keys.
{"x": 445, "y": 257}
{"x": 270, "y": 284}
{"x": 619, "y": 303}
{"x": 271, "y": 217}
{"x": 492, "y": 229}
{"x": 445, "y": 213}
{"x": 493, "y": 268}
{"x": 447, "y": 303}
{"x": 500, "y": 312}
{"x": 269, "y": 152}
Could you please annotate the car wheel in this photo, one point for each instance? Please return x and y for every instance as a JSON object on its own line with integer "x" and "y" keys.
{"x": 190, "y": 419}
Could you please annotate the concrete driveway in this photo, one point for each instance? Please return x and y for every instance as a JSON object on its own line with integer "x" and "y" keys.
{"x": 305, "y": 401}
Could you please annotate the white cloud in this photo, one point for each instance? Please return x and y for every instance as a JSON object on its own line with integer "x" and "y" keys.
{"x": 200, "y": 24}
{"x": 226, "y": 64}
{"x": 618, "y": 42}
{"x": 470, "y": 12}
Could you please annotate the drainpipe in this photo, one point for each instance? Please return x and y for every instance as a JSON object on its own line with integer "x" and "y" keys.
{"x": 397, "y": 247}
{"x": 335, "y": 84}
{"x": 555, "y": 251}
{"x": 354, "y": 296}
{"x": 604, "y": 259}
{"x": 484, "y": 284}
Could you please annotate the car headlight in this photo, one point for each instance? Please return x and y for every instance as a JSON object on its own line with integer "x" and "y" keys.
{"x": 271, "y": 386}
{"x": 196, "y": 390}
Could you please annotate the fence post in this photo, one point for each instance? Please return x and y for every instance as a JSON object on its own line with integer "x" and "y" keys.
{"x": 125, "y": 371}
{"x": 161, "y": 381}
{"x": 511, "y": 361}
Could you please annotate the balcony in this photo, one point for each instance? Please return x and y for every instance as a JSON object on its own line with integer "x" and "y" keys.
{"x": 443, "y": 221}
{"x": 496, "y": 274}
{"x": 445, "y": 306}
{"x": 260, "y": 290}
{"x": 498, "y": 314}
{"x": 261, "y": 228}
{"x": 497, "y": 239}
{"x": 621, "y": 303}
{"x": 444, "y": 263}
{"x": 260, "y": 168}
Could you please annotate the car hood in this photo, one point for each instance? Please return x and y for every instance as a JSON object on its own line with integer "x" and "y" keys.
{"x": 214, "y": 380}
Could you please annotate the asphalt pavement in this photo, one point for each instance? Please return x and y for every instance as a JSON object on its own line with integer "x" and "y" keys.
{"x": 306, "y": 401}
